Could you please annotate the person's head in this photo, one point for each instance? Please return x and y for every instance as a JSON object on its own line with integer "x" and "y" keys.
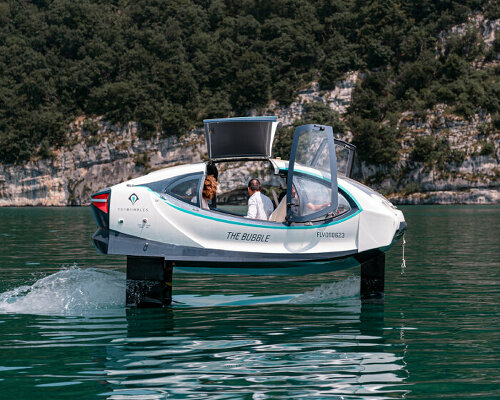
{"x": 209, "y": 187}
{"x": 254, "y": 186}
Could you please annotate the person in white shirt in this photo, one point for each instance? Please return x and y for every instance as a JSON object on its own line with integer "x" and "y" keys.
{"x": 259, "y": 205}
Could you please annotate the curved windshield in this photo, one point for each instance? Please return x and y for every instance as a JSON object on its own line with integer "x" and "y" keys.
{"x": 185, "y": 188}
{"x": 309, "y": 196}
{"x": 344, "y": 154}
{"x": 344, "y": 205}
{"x": 312, "y": 149}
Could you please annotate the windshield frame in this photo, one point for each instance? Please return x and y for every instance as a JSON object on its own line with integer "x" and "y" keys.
{"x": 290, "y": 215}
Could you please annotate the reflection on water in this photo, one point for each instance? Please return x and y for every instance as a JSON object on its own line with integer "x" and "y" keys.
{"x": 219, "y": 352}
{"x": 324, "y": 342}
{"x": 221, "y": 357}
{"x": 65, "y": 333}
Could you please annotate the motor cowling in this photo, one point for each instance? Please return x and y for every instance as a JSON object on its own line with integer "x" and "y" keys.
{"x": 99, "y": 203}
{"x": 100, "y": 207}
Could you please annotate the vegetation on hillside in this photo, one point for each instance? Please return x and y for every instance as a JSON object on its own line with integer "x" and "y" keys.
{"x": 168, "y": 65}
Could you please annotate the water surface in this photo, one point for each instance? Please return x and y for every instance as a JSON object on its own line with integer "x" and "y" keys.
{"x": 65, "y": 331}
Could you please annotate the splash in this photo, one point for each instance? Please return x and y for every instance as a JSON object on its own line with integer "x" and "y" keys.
{"x": 75, "y": 291}
{"x": 70, "y": 291}
{"x": 345, "y": 289}
{"x": 230, "y": 300}
{"x": 330, "y": 291}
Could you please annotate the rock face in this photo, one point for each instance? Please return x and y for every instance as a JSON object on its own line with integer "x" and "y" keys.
{"x": 91, "y": 163}
{"x": 466, "y": 171}
{"x": 337, "y": 99}
{"x": 111, "y": 154}
{"x": 100, "y": 154}
{"x": 107, "y": 155}
{"x": 471, "y": 196}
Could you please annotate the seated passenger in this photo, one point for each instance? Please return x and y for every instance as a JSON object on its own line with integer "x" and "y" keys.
{"x": 209, "y": 190}
{"x": 308, "y": 205}
{"x": 316, "y": 207}
{"x": 259, "y": 205}
{"x": 279, "y": 215}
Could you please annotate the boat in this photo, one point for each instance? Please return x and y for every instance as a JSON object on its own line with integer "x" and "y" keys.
{"x": 325, "y": 220}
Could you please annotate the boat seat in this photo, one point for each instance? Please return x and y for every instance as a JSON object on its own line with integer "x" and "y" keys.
{"x": 279, "y": 214}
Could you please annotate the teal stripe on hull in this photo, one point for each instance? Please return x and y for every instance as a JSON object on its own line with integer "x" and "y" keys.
{"x": 254, "y": 225}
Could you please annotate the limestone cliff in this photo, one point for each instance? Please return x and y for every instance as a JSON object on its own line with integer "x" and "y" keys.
{"x": 99, "y": 154}
{"x": 107, "y": 154}
{"x": 92, "y": 161}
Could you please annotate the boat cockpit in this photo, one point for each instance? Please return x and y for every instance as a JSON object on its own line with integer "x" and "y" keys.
{"x": 305, "y": 190}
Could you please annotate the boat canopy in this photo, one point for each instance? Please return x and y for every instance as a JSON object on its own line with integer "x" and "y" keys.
{"x": 243, "y": 137}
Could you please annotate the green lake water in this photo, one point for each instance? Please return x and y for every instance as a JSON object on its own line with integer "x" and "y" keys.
{"x": 65, "y": 332}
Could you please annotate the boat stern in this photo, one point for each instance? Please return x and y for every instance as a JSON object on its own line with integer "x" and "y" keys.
{"x": 99, "y": 204}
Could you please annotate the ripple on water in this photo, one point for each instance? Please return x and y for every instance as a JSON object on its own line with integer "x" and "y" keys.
{"x": 74, "y": 290}
{"x": 434, "y": 335}
{"x": 232, "y": 345}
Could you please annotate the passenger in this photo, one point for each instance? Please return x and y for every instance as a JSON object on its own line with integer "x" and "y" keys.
{"x": 310, "y": 206}
{"x": 316, "y": 207}
{"x": 295, "y": 202}
{"x": 279, "y": 215}
{"x": 259, "y": 205}
{"x": 209, "y": 190}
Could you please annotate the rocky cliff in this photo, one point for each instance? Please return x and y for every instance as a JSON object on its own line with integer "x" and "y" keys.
{"x": 108, "y": 154}
{"x": 99, "y": 154}
{"x": 464, "y": 167}
{"x": 466, "y": 171}
{"x": 92, "y": 161}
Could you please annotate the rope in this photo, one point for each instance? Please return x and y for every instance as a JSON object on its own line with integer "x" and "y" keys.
{"x": 403, "y": 263}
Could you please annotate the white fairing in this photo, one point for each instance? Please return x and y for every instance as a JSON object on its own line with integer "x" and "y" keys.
{"x": 143, "y": 213}
{"x": 379, "y": 220}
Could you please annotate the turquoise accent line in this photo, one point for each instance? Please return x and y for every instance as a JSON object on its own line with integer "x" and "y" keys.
{"x": 327, "y": 180}
{"x": 251, "y": 225}
{"x": 308, "y": 173}
{"x": 242, "y": 119}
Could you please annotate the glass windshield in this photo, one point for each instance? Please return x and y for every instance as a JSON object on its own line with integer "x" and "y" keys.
{"x": 312, "y": 174}
{"x": 309, "y": 196}
{"x": 185, "y": 188}
{"x": 312, "y": 150}
{"x": 343, "y": 205}
{"x": 345, "y": 156}
{"x": 342, "y": 159}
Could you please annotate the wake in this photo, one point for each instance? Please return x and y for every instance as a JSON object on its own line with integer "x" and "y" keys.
{"x": 71, "y": 290}
{"x": 77, "y": 291}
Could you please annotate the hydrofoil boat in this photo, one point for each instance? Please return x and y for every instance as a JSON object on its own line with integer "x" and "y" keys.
{"x": 323, "y": 219}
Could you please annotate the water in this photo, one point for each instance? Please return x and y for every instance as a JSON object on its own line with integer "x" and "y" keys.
{"x": 65, "y": 331}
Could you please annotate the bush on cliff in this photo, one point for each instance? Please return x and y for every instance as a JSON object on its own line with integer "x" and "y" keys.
{"x": 168, "y": 65}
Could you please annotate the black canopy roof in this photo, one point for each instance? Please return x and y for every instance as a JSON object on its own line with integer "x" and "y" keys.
{"x": 243, "y": 137}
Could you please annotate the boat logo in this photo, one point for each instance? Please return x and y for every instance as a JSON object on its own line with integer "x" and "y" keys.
{"x": 133, "y": 198}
